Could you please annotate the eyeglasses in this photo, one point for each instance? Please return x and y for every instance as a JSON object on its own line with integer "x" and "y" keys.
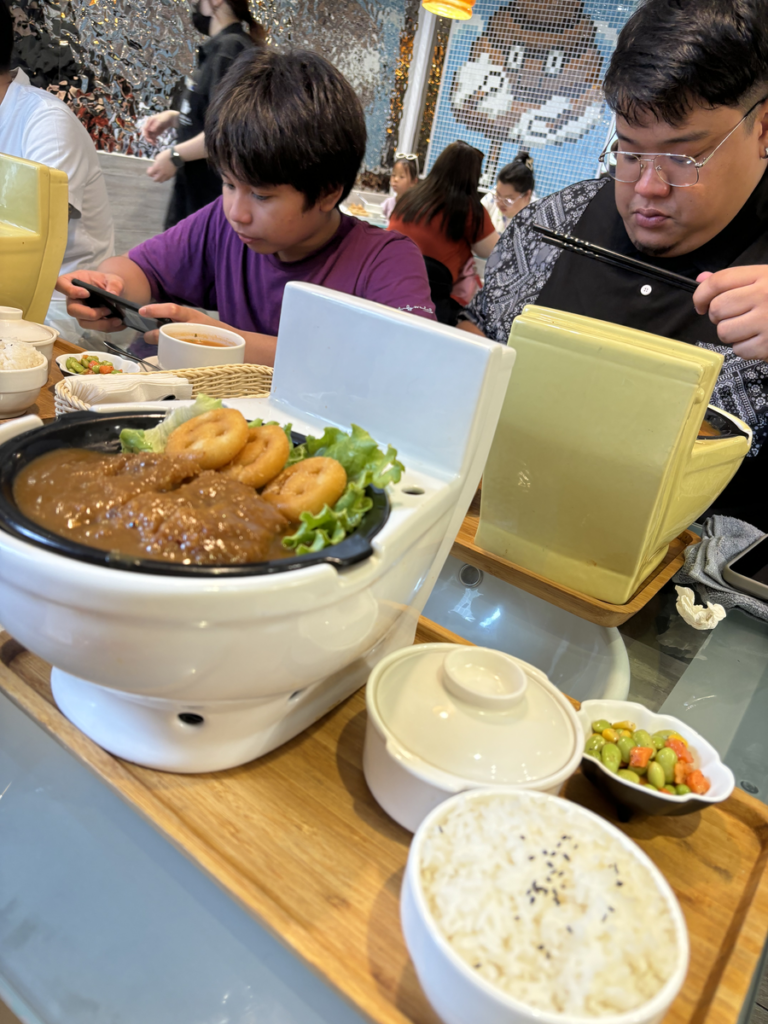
{"x": 674, "y": 169}
{"x": 411, "y": 157}
{"x": 505, "y": 201}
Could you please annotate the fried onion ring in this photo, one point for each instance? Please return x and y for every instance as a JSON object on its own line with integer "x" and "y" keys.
{"x": 262, "y": 458}
{"x": 214, "y": 438}
{"x": 306, "y": 487}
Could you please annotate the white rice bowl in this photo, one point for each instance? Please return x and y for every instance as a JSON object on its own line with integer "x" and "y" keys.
{"x": 542, "y": 906}
{"x": 18, "y": 355}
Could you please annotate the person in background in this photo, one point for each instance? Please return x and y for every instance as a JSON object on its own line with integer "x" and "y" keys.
{"x": 36, "y": 126}
{"x": 287, "y": 134}
{"x": 514, "y": 191}
{"x": 444, "y": 216}
{"x": 196, "y": 183}
{"x": 405, "y": 174}
{"x": 686, "y": 189}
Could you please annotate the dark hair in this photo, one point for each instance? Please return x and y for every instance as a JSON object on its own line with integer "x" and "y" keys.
{"x": 410, "y": 165}
{"x": 449, "y": 190}
{"x": 242, "y": 11}
{"x": 6, "y": 38}
{"x": 675, "y": 54}
{"x": 287, "y": 119}
{"x": 518, "y": 174}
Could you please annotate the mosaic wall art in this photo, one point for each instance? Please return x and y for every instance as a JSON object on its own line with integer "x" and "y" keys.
{"x": 116, "y": 61}
{"x": 526, "y": 74}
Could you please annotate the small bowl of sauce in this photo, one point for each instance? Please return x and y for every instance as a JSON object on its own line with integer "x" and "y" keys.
{"x": 187, "y": 345}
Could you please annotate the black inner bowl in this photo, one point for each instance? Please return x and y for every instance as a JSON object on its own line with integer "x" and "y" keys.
{"x": 101, "y": 432}
{"x": 716, "y": 426}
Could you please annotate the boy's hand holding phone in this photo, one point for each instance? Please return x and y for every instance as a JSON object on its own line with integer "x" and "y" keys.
{"x": 87, "y": 316}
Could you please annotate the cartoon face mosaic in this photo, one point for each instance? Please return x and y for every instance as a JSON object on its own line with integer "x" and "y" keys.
{"x": 533, "y": 75}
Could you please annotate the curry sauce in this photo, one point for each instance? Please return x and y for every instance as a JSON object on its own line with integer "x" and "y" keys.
{"x": 151, "y": 506}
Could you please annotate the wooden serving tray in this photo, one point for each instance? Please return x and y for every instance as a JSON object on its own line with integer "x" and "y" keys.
{"x": 297, "y": 839}
{"x": 601, "y": 612}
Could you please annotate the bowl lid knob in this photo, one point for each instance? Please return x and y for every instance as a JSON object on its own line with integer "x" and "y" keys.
{"x": 486, "y": 678}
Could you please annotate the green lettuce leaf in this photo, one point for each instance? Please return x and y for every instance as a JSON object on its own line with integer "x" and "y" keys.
{"x": 155, "y": 439}
{"x": 330, "y": 525}
{"x": 365, "y": 464}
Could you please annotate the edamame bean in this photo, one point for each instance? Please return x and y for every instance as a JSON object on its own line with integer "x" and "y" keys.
{"x": 669, "y": 789}
{"x": 667, "y": 758}
{"x": 642, "y": 738}
{"x": 600, "y": 724}
{"x": 625, "y": 773}
{"x": 611, "y": 757}
{"x": 649, "y": 786}
{"x": 595, "y": 744}
{"x": 655, "y": 775}
{"x": 625, "y": 745}
{"x": 682, "y": 790}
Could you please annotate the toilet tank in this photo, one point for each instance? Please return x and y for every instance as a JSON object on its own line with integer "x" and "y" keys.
{"x": 596, "y": 463}
{"x": 33, "y": 233}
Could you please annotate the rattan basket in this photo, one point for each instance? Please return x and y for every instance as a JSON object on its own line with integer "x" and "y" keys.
{"x": 233, "y": 381}
{"x": 236, "y": 381}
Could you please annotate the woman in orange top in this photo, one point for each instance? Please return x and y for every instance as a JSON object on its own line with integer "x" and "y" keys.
{"x": 445, "y": 218}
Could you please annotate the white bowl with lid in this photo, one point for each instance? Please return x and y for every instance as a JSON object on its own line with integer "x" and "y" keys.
{"x": 443, "y": 718}
{"x": 13, "y": 327}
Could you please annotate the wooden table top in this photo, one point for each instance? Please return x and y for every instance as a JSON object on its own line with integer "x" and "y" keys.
{"x": 44, "y": 406}
{"x": 297, "y": 839}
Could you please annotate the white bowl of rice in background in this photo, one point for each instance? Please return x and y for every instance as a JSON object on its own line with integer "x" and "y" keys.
{"x": 23, "y": 372}
{"x": 14, "y": 328}
{"x": 521, "y": 907}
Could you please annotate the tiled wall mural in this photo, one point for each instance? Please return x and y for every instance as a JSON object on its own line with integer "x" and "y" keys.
{"x": 115, "y": 61}
{"x": 526, "y": 74}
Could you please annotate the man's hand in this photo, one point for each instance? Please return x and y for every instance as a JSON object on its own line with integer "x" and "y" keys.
{"x": 180, "y": 314}
{"x": 737, "y": 302}
{"x": 97, "y": 319}
{"x": 469, "y": 327}
{"x": 156, "y": 124}
{"x": 162, "y": 167}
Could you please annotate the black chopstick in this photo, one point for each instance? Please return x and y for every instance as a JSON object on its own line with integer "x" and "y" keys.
{"x": 615, "y": 259}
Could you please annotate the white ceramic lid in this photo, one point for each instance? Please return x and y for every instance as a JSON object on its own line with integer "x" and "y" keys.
{"x": 476, "y": 713}
{"x": 14, "y": 328}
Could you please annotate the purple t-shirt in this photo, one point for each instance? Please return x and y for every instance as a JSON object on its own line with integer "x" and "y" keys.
{"x": 201, "y": 262}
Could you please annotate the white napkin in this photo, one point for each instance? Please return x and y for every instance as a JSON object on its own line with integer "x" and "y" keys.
{"x": 128, "y": 387}
{"x": 697, "y": 615}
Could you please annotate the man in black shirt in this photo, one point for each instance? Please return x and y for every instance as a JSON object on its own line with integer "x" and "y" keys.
{"x": 686, "y": 189}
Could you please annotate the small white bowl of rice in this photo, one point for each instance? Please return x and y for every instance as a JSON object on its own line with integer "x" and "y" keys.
{"x": 23, "y": 372}
{"x": 520, "y": 907}
{"x": 14, "y": 328}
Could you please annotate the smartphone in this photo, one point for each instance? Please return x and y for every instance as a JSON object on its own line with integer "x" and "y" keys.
{"x": 748, "y": 571}
{"x": 127, "y": 311}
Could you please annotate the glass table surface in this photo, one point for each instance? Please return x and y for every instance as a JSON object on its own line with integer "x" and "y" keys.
{"x": 102, "y": 921}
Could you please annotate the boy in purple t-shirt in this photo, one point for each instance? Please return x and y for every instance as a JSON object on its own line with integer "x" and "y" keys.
{"x": 287, "y": 134}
